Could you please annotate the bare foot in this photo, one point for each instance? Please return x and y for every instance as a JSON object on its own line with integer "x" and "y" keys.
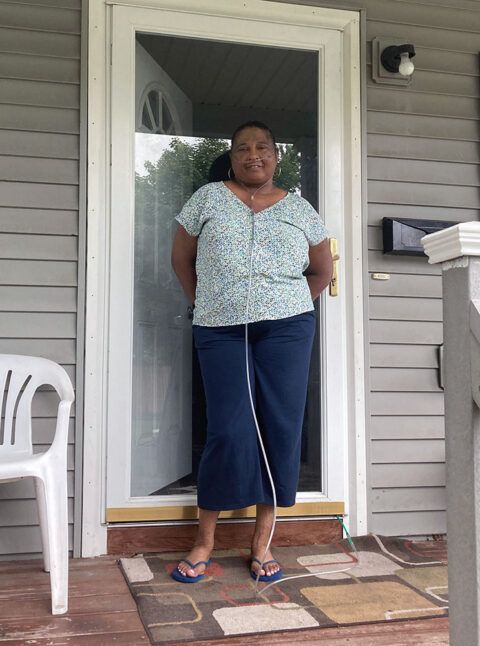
{"x": 269, "y": 568}
{"x": 198, "y": 553}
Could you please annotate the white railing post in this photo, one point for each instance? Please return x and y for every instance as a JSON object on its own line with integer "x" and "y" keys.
{"x": 458, "y": 249}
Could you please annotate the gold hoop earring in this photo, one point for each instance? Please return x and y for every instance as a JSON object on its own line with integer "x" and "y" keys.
{"x": 278, "y": 170}
{"x": 230, "y": 174}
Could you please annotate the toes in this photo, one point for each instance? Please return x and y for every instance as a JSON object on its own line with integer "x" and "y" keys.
{"x": 184, "y": 571}
{"x": 272, "y": 569}
{"x": 267, "y": 570}
{"x": 187, "y": 572}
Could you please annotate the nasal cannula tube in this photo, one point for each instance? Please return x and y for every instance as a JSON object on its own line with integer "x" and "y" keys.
{"x": 267, "y": 466}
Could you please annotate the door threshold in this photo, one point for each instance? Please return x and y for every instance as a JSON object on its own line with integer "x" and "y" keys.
{"x": 220, "y": 521}
{"x": 190, "y": 512}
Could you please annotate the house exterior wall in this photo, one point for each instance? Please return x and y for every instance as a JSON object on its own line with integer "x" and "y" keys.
{"x": 39, "y": 223}
{"x": 422, "y": 162}
{"x": 423, "y": 158}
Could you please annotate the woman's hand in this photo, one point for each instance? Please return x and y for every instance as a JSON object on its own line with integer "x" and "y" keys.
{"x": 184, "y": 254}
{"x": 319, "y": 271}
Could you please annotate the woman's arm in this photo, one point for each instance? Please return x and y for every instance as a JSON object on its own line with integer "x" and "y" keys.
{"x": 319, "y": 271}
{"x": 184, "y": 254}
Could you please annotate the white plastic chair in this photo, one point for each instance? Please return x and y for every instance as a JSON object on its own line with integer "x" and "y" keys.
{"x": 20, "y": 376}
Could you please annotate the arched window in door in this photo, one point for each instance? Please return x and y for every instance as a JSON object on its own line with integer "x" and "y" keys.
{"x": 155, "y": 115}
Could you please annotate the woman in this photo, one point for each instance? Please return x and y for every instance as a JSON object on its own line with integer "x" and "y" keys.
{"x": 218, "y": 228}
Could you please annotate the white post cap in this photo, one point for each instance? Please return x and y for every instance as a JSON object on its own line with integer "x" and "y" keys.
{"x": 460, "y": 240}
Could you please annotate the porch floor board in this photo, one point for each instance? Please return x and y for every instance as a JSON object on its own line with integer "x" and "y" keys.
{"x": 103, "y": 612}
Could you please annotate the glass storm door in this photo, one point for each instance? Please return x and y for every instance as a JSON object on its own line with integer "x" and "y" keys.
{"x": 176, "y": 99}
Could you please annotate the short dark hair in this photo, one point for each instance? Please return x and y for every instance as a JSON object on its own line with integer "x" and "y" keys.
{"x": 254, "y": 124}
{"x": 219, "y": 168}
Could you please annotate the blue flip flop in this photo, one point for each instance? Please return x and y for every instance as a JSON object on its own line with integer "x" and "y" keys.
{"x": 178, "y": 576}
{"x": 264, "y": 577}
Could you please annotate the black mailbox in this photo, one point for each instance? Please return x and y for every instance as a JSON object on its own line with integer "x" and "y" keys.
{"x": 403, "y": 235}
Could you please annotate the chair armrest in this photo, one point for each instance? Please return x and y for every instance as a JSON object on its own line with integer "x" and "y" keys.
{"x": 60, "y": 440}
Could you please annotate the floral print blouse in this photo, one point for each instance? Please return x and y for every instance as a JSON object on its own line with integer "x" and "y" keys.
{"x": 228, "y": 232}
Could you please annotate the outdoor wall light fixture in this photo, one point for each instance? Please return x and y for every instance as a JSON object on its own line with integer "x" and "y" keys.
{"x": 396, "y": 59}
{"x": 392, "y": 60}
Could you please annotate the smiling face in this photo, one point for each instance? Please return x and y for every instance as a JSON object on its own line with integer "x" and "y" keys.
{"x": 253, "y": 156}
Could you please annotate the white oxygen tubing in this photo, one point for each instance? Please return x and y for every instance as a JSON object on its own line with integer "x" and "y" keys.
{"x": 270, "y": 477}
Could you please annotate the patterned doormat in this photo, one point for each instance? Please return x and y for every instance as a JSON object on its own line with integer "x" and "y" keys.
{"x": 386, "y": 579}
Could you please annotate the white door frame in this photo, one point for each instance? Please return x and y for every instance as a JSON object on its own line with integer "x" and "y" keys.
{"x": 340, "y": 200}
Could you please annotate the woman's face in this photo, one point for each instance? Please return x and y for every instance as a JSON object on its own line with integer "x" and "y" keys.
{"x": 253, "y": 156}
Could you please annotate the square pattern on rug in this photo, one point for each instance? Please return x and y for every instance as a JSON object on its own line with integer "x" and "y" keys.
{"x": 385, "y": 579}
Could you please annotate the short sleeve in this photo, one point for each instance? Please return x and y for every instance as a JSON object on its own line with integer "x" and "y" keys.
{"x": 314, "y": 228}
{"x": 190, "y": 217}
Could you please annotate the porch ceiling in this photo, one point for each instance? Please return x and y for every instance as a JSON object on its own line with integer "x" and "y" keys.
{"x": 273, "y": 84}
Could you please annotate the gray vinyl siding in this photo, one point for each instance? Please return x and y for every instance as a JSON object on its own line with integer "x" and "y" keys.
{"x": 39, "y": 224}
{"x": 422, "y": 161}
{"x": 422, "y": 149}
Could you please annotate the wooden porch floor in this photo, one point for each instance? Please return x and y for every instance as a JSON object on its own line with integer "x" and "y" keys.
{"x": 102, "y": 612}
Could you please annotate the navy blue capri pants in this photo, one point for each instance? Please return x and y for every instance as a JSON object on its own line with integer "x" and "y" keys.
{"x": 232, "y": 473}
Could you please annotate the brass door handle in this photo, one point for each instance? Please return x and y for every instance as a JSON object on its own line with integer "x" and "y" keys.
{"x": 333, "y": 287}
